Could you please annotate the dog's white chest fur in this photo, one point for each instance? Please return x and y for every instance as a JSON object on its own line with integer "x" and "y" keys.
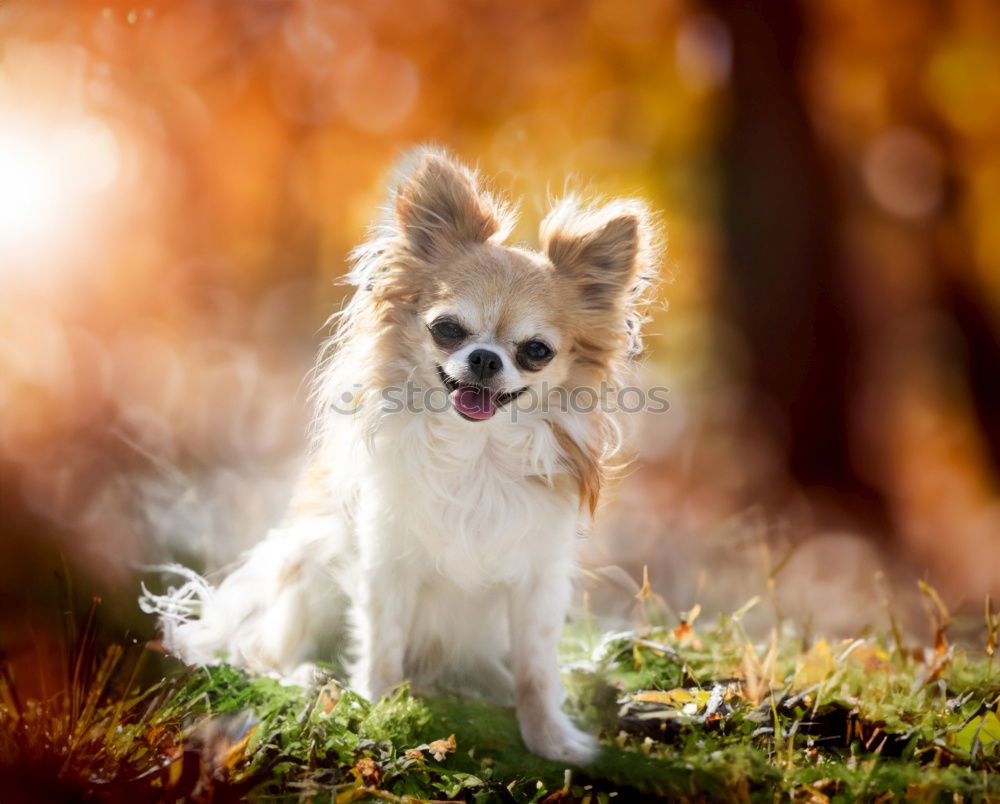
{"x": 471, "y": 504}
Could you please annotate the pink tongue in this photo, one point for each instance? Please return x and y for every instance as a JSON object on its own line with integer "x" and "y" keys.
{"x": 476, "y": 403}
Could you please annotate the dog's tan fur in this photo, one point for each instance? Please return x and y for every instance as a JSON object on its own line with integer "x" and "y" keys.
{"x": 591, "y": 281}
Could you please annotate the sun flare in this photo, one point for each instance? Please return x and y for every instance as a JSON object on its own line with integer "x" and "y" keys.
{"x": 43, "y": 179}
{"x": 31, "y": 199}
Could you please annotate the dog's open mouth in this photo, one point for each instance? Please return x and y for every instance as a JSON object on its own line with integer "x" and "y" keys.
{"x": 475, "y": 402}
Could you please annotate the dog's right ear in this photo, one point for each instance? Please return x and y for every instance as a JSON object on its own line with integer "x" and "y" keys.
{"x": 440, "y": 204}
{"x": 606, "y": 250}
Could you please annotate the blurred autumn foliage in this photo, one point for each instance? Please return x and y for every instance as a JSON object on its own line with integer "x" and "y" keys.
{"x": 180, "y": 182}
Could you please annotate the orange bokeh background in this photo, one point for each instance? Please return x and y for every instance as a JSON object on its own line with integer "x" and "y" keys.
{"x": 180, "y": 183}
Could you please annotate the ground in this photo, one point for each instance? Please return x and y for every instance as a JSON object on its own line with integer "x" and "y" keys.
{"x": 685, "y": 711}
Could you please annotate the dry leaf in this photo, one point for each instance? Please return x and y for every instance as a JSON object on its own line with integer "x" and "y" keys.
{"x": 367, "y": 771}
{"x": 814, "y": 666}
{"x": 758, "y": 675}
{"x": 238, "y": 752}
{"x": 938, "y": 614}
{"x": 645, "y": 591}
{"x": 677, "y": 696}
{"x": 441, "y": 748}
{"x": 328, "y": 697}
{"x": 870, "y": 657}
{"x": 991, "y": 628}
{"x": 685, "y": 635}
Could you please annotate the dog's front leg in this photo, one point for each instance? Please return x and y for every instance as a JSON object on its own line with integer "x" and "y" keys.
{"x": 537, "y": 614}
{"x": 381, "y": 617}
{"x": 383, "y": 599}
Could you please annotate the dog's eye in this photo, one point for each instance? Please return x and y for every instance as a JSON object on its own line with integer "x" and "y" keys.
{"x": 447, "y": 331}
{"x": 536, "y": 350}
{"x": 534, "y": 354}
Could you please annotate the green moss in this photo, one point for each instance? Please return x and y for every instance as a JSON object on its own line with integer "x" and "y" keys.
{"x": 704, "y": 715}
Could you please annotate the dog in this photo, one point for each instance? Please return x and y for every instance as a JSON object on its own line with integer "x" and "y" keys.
{"x": 433, "y": 534}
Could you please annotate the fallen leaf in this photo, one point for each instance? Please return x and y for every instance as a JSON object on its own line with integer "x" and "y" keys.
{"x": 870, "y": 657}
{"x": 685, "y": 635}
{"x": 677, "y": 696}
{"x": 367, "y": 771}
{"x": 238, "y": 752}
{"x": 441, "y": 748}
{"x": 815, "y": 665}
{"x": 328, "y": 697}
{"x": 985, "y": 729}
{"x": 759, "y": 674}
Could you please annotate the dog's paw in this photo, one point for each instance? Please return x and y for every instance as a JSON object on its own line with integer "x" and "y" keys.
{"x": 370, "y": 686}
{"x": 555, "y": 737}
{"x": 358, "y": 684}
{"x": 307, "y": 674}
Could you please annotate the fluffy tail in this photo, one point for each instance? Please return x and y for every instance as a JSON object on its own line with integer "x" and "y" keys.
{"x": 273, "y": 612}
{"x": 178, "y": 606}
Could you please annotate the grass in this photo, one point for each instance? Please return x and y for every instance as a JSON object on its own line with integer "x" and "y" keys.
{"x": 685, "y": 712}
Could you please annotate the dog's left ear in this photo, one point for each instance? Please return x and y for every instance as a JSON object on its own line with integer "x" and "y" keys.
{"x": 440, "y": 204}
{"x": 606, "y": 250}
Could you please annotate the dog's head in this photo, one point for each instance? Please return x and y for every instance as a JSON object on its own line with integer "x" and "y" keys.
{"x": 490, "y": 321}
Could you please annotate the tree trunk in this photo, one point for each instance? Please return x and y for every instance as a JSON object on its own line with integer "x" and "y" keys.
{"x": 783, "y": 286}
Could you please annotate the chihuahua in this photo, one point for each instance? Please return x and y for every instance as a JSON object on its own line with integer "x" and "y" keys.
{"x": 458, "y": 451}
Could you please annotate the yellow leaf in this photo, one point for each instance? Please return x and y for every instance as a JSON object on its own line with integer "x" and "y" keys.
{"x": 985, "y": 728}
{"x": 870, "y": 657}
{"x": 678, "y": 697}
{"x": 816, "y": 665}
{"x": 759, "y": 675}
{"x": 176, "y": 769}
{"x": 238, "y": 752}
{"x": 666, "y": 697}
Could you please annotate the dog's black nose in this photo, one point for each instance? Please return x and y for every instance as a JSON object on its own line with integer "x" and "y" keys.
{"x": 484, "y": 364}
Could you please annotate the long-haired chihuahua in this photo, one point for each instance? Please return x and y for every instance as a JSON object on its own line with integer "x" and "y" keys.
{"x": 460, "y": 443}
